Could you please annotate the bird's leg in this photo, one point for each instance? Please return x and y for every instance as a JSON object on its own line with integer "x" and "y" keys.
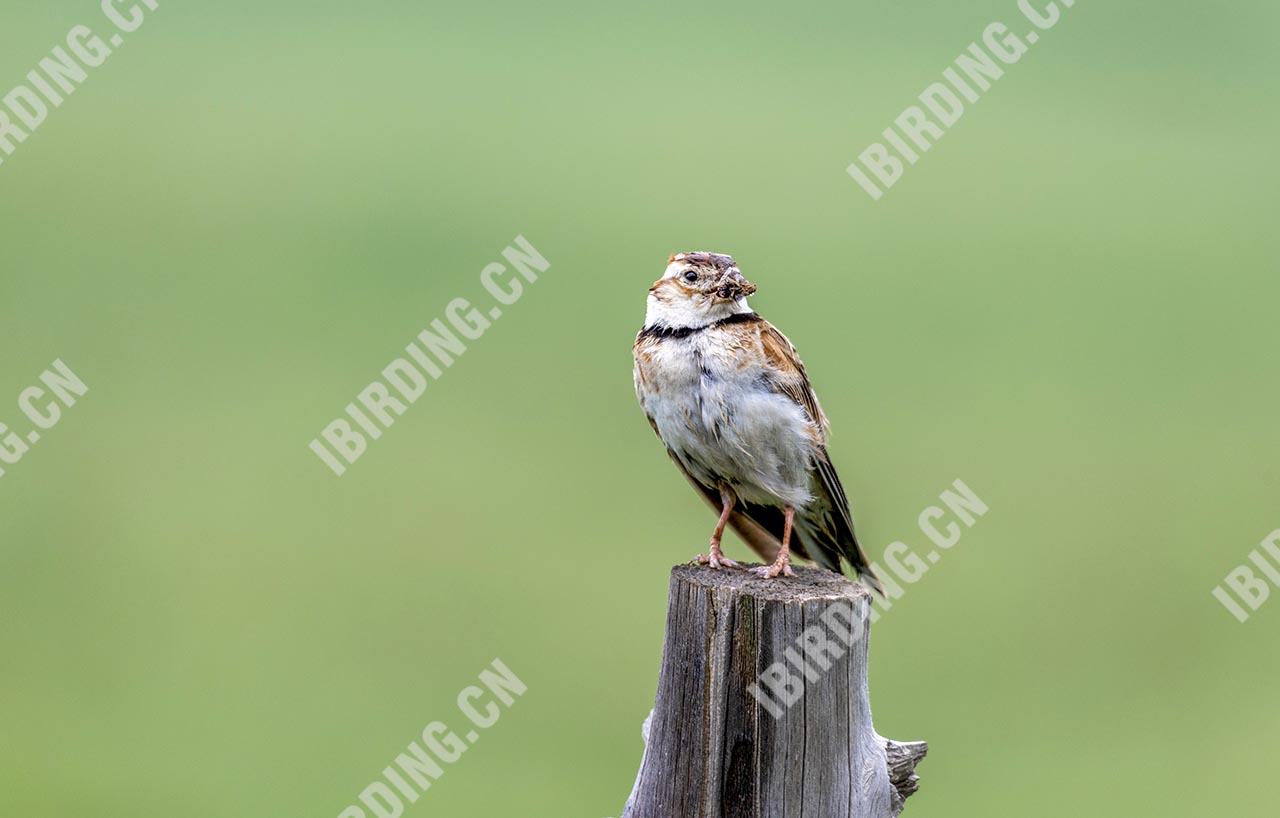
{"x": 715, "y": 557}
{"x": 781, "y": 565}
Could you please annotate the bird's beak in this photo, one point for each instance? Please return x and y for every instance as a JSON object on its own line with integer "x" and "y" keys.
{"x": 733, "y": 286}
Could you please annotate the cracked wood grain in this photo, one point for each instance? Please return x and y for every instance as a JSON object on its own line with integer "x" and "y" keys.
{"x": 712, "y": 751}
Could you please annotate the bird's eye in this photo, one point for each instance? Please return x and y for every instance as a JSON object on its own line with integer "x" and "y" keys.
{"x": 690, "y": 276}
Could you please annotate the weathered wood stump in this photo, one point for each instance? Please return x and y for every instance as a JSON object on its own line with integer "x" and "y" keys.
{"x": 762, "y": 708}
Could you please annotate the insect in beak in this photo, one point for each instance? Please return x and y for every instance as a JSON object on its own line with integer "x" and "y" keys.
{"x": 734, "y": 286}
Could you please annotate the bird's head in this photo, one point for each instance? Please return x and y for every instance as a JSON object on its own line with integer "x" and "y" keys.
{"x": 698, "y": 289}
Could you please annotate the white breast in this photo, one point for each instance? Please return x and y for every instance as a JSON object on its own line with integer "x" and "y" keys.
{"x": 712, "y": 408}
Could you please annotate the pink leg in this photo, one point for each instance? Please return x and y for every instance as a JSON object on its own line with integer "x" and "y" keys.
{"x": 715, "y": 557}
{"x": 782, "y": 565}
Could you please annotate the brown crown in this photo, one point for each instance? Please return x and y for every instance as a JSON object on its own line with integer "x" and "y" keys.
{"x": 717, "y": 260}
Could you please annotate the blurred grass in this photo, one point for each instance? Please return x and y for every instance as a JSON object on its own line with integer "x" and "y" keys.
{"x": 228, "y": 231}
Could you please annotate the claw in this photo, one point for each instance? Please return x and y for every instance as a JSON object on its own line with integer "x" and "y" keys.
{"x": 780, "y": 568}
{"x": 717, "y": 559}
{"x": 781, "y": 565}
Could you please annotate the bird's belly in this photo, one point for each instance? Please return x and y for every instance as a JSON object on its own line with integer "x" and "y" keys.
{"x": 727, "y": 428}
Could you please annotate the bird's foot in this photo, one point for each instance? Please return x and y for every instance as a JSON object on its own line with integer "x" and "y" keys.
{"x": 715, "y": 559}
{"x": 781, "y": 567}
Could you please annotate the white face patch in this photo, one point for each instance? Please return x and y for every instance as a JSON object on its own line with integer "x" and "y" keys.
{"x": 678, "y": 310}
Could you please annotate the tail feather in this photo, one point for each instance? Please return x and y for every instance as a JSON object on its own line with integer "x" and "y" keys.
{"x": 830, "y": 542}
{"x": 868, "y": 575}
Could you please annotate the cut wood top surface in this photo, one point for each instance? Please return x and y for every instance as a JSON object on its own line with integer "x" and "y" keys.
{"x": 808, "y": 584}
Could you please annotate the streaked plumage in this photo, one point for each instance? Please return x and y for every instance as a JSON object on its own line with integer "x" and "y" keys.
{"x": 728, "y": 395}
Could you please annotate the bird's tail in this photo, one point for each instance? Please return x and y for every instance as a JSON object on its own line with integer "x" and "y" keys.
{"x": 852, "y": 551}
{"x": 867, "y": 574}
{"x": 831, "y": 541}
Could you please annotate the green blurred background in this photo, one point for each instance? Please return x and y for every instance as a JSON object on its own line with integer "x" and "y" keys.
{"x": 1070, "y": 304}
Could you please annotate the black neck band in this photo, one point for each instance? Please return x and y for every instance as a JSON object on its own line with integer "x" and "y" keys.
{"x": 658, "y": 331}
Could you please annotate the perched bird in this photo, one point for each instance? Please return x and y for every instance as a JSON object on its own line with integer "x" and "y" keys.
{"x": 728, "y": 395}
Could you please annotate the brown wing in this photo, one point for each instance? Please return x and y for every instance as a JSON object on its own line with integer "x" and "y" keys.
{"x": 789, "y": 376}
{"x": 824, "y": 531}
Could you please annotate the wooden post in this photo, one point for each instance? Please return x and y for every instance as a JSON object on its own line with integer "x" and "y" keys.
{"x": 802, "y": 743}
